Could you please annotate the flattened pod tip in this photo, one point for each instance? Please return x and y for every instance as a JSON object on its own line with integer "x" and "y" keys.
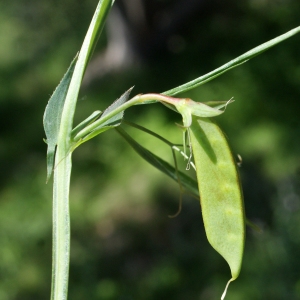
{"x": 226, "y": 288}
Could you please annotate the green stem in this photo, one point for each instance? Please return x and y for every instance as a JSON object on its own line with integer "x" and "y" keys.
{"x": 85, "y": 53}
{"x": 61, "y": 225}
{"x": 138, "y": 99}
{"x": 63, "y": 163}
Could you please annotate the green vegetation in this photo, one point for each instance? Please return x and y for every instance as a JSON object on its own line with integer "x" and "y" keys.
{"x": 115, "y": 254}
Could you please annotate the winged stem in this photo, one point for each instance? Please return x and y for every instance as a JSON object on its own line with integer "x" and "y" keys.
{"x": 63, "y": 164}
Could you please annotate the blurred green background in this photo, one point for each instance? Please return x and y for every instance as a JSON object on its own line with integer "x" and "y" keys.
{"x": 124, "y": 246}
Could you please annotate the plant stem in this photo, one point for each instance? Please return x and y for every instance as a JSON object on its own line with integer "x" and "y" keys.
{"x": 63, "y": 163}
{"x": 85, "y": 53}
{"x": 61, "y": 225}
{"x": 138, "y": 99}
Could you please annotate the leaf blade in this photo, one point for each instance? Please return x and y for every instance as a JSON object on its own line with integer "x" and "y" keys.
{"x": 186, "y": 181}
{"x": 118, "y": 117}
{"x": 231, "y": 64}
{"x": 52, "y": 115}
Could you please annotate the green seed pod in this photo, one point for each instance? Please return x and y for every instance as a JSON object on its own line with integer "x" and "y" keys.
{"x": 220, "y": 192}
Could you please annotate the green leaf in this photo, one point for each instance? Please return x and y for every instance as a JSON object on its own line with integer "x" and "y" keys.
{"x": 118, "y": 117}
{"x": 220, "y": 192}
{"x": 52, "y": 116}
{"x": 186, "y": 181}
{"x": 232, "y": 64}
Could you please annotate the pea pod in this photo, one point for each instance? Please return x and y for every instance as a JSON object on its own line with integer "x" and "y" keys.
{"x": 220, "y": 192}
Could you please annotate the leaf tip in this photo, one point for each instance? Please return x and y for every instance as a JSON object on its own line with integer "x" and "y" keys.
{"x": 49, "y": 173}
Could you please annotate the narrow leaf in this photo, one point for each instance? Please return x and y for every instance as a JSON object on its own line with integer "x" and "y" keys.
{"x": 118, "y": 117}
{"x": 220, "y": 192}
{"x": 187, "y": 182}
{"x": 232, "y": 64}
{"x": 52, "y": 115}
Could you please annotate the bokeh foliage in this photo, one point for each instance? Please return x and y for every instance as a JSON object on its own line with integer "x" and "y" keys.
{"x": 123, "y": 244}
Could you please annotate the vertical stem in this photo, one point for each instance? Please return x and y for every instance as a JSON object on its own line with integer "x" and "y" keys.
{"x": 61, "y": 225}
{"x": 63, "y": 163}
